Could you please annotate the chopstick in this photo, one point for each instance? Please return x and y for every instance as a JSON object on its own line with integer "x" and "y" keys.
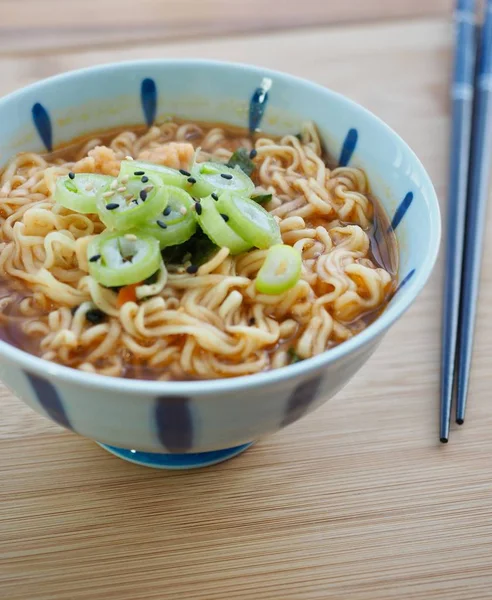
{"x": 481, "y": 155}
{"x": 462, "y": 101}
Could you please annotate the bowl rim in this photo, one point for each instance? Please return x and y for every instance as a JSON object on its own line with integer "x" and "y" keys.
{"x": 303, "y": 369}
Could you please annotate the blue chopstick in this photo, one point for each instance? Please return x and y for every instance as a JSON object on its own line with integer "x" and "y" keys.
{"x": 462, "y": 102}
{"x": 481, "y": 155}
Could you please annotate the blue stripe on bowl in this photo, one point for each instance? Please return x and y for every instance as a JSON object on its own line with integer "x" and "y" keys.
{"x": 42, "y": 122}
{"x": 348, "y": 147}
{"x": 148, "y": 97}
{"x": 401, "y": 211}
{"x": 49, "y": 399}
{"x": 258, "y": 104}
{"x": 405, "y": 280}
{"x": 174, "y": 422}
{"x": 300, "y": 400}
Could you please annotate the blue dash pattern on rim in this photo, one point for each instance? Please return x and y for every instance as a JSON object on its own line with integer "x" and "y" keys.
{"x": 405, "y": 280}
{"x": 42, "y": 122}
{"x": 401, "y": 211}
{"x": 148, "y": 97}
{"x": 348, "y": 147}
{"x": 258, "y": 104}
{"x": 397, "y": 219}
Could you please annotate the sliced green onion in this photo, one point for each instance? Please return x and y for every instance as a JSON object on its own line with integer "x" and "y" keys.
{"x": 250, "y": 220}
{"x": 79, "y": 192}
{"x": 280, "y": 271}
{"x": 167, "y": 175}
{"x": 134, "y": 206}
{"x": 214, "y": 177}
{"x": 171, "y": 235}
{"x": 124, "y": 258}
{"x": 179, "y": 206}
{"x": 177, "y": 223}
{"x": 217, "y": 229}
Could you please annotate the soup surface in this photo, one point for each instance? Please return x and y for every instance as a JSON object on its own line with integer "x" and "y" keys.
{"x": 207, "y": 318}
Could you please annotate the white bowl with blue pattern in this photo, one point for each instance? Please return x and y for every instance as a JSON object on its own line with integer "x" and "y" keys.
{"x": 189, "y": 424}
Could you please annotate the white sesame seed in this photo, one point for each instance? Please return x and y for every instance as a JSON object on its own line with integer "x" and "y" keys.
{"x": 183, "y": 210}
{"x": 108, "y": 194}
{"x": 128, "y": 157}
{"x": 121, "y": 189}
{"x": 89, "y": 187}
{"x": 114, "y": 185}
{"x": 125, "y": 179}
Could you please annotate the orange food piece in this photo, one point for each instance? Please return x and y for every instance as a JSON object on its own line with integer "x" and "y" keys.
{"x": 177, "y": 155}
{"x": 127, "y": 294}
{"x": 105, "y": 160}
{"x": 100, "y": 159}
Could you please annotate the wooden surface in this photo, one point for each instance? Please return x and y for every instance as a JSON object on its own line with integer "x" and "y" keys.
{"x": 27, "y": 25}
{"x": 355, "y": 502}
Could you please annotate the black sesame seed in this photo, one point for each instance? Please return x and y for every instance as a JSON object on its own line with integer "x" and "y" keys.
{"x": 215, "y": 197}
{"x": 191, "y": 180}
{"x": 143, "y": 195}
{"x": 138, "y": 173}
{"x": 253, "y": 154}
{"x": 144, "y": 179}
{"x": 134, "y": 201}
{"x": 225, "y": 217}
{"x": 185, "y": 173}
{"x": 71, "y": 175}
{"x": 161, "y": 224}
{"x": 112, "y": 206}
{"x": 198, "y": 208}
{"x": 94, "y": 258}
{"x": 192, "y": 269}
{"x": 226, "y": 175}
{"x": 166, "y": 211}
{"x": 95, "y": 316}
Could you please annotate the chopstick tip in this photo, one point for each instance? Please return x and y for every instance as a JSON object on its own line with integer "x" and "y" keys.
{"x": 443, "y": 440}
{"x": 460, "y": 421}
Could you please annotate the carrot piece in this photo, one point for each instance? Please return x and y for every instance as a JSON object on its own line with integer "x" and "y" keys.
{"x": 127, "y": 294}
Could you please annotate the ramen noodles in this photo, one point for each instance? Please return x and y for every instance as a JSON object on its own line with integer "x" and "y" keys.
{"x": 189, "y": 251}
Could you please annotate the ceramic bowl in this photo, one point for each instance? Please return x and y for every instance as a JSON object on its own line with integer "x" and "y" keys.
{"x": 189, "y": 424}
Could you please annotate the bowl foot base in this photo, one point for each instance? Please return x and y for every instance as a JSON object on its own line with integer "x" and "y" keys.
{"x": 176, "y": 461}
